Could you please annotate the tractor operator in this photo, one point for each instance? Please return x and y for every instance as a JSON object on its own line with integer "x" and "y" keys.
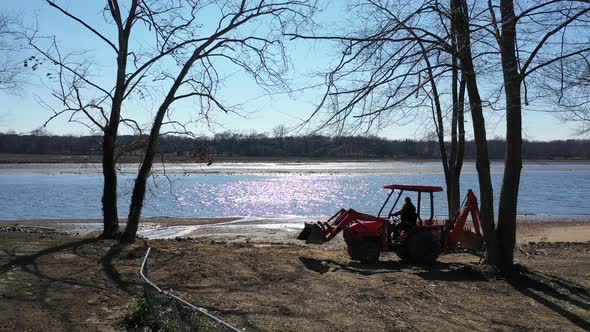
{"x": 407, "y": 215}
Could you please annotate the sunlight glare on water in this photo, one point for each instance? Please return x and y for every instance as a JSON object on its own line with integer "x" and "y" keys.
{"x": 265, "y": 196}
{"x": 545, "y": 190}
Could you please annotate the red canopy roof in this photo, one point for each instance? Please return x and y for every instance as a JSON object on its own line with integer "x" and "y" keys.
{"x": 414, "y": 188}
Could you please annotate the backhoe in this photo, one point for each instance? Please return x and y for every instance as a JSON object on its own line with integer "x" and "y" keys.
{"x": 367, "y": 236}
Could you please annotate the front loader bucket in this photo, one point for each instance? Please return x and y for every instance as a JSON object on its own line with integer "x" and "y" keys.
{"x": 312, "y": 234}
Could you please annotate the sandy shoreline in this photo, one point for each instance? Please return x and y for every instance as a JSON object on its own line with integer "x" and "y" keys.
{"x": 281, "y": 229}
{"x": 253, "y": 274}
{"x": 71, "y": 283}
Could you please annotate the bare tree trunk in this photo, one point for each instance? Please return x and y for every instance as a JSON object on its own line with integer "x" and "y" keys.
{"x": 109, "y": 196}
{"x": 457, "y": 134}
{"x": 203, "y": 85}
{"x": 513, "y": 159}
{"x": 453, "y": 188}
{"x": 140, "y": 186}
{"x": 460, "y": 15}
{"x": 457, "y": 160}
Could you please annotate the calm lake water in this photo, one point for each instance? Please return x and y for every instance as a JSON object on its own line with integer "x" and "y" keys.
{"x": 27, "y": 193}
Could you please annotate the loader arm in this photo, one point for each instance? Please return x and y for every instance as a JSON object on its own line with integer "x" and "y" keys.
{"x": 320, "y": 232}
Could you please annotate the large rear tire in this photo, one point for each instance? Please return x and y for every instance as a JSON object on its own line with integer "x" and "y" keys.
{"x": 423, "y": 247}
{"x": 364, "y": 250}
{"x": 403, "y": 254}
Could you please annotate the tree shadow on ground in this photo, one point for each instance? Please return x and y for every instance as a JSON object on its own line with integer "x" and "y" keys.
{"x": 560, "y": 295}
{"x": 52, "y": 276}
{"x": 77, "y": 277}
{"x": 439, "y": 271}
{"x": 555, "y": 293}
{"x": 111, "y": 270}
{"x": 24, "y": 260}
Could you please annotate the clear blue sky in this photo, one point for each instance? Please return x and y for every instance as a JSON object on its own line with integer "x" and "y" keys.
{"x": 23, "y": 113}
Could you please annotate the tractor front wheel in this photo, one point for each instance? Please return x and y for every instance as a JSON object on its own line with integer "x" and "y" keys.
{"x": 365, "y": 250}
{"x": 423, "y": 247}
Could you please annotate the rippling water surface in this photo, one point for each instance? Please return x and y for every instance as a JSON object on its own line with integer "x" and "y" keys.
{"x": 554, "y": 189}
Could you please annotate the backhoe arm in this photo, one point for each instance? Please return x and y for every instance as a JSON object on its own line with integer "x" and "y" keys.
{"x": 460, "y": 219}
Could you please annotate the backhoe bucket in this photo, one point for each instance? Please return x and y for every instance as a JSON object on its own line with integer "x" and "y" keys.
{"x": 472, "y": 241}
{"x": 312, "y": 234}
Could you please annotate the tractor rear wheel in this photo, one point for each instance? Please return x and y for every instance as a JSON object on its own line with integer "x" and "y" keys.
{"x": 365, "y": 250}
{"x": 423, "y": 247}
{"x": 403, "y": 254}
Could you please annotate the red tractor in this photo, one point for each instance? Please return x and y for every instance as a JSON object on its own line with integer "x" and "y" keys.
{"x": 366, "y": 236}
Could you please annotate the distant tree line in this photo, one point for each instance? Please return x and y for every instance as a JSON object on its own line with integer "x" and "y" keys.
{"x": 233, "y": 145}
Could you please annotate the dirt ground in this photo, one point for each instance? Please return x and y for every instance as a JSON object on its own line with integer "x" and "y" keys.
{"x": 52, "y": 282}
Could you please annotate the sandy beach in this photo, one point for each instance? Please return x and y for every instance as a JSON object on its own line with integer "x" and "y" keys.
{"x": 282, "y": 229}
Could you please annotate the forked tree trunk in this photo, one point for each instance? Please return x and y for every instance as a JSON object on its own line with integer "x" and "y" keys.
{"x": 139, "y": 188}
{"x": 460, "y": 14}
{"x": 513, "y": 159}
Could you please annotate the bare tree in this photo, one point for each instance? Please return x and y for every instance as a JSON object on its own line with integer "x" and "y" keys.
{"x": 75, "y": 81}
{"x": 400, "y": 63}
{"x": 542, "y": 39}
{"x": 11, "y": 68}
{"x": 452, "y": 162}
{"x": 280, "y": 131}
{"x": 173, "y": 30}
{"x": 395, "y": 58}
{"x": 403, "y": 59}
{"x": 572, "y": 94}
{"x": 461, "y": 20}
{"x": 249, "y": 35}
{"x": 564, "y": 84}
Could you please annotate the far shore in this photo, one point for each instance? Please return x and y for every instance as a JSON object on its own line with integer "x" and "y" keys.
{"x": 284, "y": 166}
{"x": 6, "y": 158}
